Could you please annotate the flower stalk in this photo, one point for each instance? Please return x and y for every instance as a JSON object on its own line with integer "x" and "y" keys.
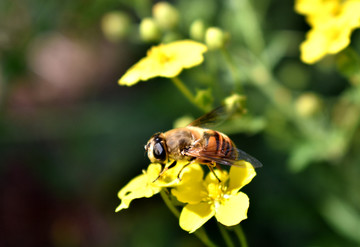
{"x": 200, "y": 233}
{"x": 226, "y": 236}
{"x": 240, "y": 235}
{"x": 184, "y": 90}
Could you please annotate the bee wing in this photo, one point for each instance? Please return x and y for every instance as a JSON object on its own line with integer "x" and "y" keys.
{"x": 221, "y": 159}
{"x": 247, "y": 157}
{"x": 215, "y": 117}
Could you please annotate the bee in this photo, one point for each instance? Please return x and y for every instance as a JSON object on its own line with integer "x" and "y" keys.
{"x": 197, "y": 144}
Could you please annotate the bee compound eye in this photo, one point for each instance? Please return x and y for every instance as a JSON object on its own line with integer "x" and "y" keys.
{"x": 159, "y": 151}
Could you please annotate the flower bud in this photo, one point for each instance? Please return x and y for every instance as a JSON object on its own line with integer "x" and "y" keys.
{"x": 307, "y": 104}
{"x": 115, "y": 25}
{"x": 204, "y": 98}
{"x": 235, "y": 103}
{"x": 149, "y": 30}
{"x": 182, "y": 121}
{"x": 214, "y": 38}
{"x": 165, "y": 15}
{"x": 197, "y": 30}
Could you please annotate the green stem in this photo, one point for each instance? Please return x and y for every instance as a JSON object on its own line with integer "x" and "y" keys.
{"x": 185, "y": 91}
{"x": 168, "y": 203}
{"x": 240, "y": 235}
{"x": 199, "y": 233}
{"x": 225, "y": 235}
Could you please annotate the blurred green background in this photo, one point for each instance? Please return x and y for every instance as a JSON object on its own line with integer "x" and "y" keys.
{"x": 70, "y": 137}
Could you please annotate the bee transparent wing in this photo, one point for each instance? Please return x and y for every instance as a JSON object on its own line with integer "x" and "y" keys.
{"x": 215, "y": 117}
{"x": 221, "y": 159}
{"x": 202, "y": 155}
{"x": 247, "y": 157}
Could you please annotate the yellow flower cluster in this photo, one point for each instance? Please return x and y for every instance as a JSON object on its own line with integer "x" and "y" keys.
{"x": 332, "y": 22}
{"x": 202, "y": 198}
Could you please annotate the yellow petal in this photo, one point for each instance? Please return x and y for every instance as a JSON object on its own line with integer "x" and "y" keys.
{"x": 314, "y": 47}
{"x": 240, "y": 176}
{"x": 316, "y": 7}
{"x": 191, "y": 189}
{"x": 165, "y": 60}
{"x": 147, "y": 184}
{"x": 188, "y": 53}
{"x": 307, "y": 6}
{"x": 211, "y": 179}
{"x": 190, "y": 193}
{"x": 192, "y": 217}
{"x": 143, "y": 70}
{"x": 339, "y": 39}
{"x": 171, "y": 176}
{"x": 233, "y": 210}
{"x": 351, "y": 13}
{"x": 140, "y": 186}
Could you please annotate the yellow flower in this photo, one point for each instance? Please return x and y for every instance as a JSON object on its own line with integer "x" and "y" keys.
{"x": 165, "y": 60}
{"x": 149, "y": 183}
{"x": 332, "y": 22}
{"x": 209, "y": 197}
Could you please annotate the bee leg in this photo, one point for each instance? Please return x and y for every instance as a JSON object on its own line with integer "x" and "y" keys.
{"x": 164, "y": 170}
{"x": 159, "y": 175}
{"x": 219, "y": 167}
{"x": 212, "y": 170}
{"x": 178, "y": 176}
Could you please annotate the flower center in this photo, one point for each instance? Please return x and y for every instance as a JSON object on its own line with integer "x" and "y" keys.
{"x": 217, "y": 194}
{"x": 160, "y": 55}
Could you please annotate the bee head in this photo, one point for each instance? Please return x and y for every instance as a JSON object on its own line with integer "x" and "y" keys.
{"x": 156, "y": 149}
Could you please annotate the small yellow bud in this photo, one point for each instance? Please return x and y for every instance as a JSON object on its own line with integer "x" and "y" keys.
{"x": 307, "y": 104}
{"x": 165, "y": 15}
{"x": 197, "y": 30}
{"x": 149, "y": 30}
{"x": 214, "y": 38}
{"x": 115, "y": 25}
{"x": 235, "y": 104}
{"x": 183, "y": 121}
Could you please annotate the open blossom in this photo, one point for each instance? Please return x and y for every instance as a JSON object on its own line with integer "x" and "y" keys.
{"x": 148, "y": 184}
{"x": 203, "y": 198}
{"x": 209, "y": 197}
{"x": 332, "y": 22}
{"x": 165, "y": 60}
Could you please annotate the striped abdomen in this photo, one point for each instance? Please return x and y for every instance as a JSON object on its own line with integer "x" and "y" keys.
{"x": 218, "y": 145}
